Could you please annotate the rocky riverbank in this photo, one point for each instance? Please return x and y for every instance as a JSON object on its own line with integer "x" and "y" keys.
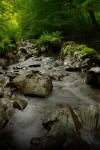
{"x": 33, "y": 86}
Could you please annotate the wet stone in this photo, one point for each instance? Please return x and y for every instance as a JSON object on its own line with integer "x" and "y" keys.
{"x": 3, "y": 116}
{"x": 20, "y": 104}
{"x": 93, "y": 77}
{"x": 31, "y": 83}
{"x": 1, "y": 91}
{"x": 71, "y": 128}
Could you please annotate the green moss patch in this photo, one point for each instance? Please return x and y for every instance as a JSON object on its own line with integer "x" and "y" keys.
{"x": 82, "y": 50}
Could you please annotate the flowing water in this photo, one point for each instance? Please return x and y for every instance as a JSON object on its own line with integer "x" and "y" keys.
{"x": 26, "y": 124}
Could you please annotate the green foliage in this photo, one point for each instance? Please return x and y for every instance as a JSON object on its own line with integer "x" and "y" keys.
{"x": 12, "y": 32}
{"x": 9, "y": 30}
{"x": 82, "y": 50}
{"x": 8, "y": 37}
{"x": 67, "y": 16}
{"x": 6, "y": 46}
{"x": 49, "y": 38}
{"x": 29, "y": 18}
{"x": 85, "y": 51}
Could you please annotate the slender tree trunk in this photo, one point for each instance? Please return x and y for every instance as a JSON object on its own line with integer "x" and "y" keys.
{"x": 92, "y": 16}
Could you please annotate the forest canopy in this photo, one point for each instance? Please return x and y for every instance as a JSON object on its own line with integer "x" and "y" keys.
{"x": 31, "y": 18}
{"x": 67, "y": 16}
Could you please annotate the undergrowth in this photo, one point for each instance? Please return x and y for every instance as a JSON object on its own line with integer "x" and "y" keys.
{"x": 49, "y": 37}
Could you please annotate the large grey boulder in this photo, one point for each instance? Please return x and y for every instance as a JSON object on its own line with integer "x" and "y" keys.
{"x": 71, "y": 128}
{"x": 78, "y": 57}
{"x": 31, "y": 83}
{"x": 93, "y": 77}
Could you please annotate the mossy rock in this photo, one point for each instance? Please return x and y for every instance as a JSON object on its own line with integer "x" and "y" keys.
{"x": 82, "y": 50}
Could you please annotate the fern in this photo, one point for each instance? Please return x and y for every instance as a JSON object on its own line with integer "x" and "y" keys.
{"x": 6, "y": 46}
{"x": 49, "y": 38}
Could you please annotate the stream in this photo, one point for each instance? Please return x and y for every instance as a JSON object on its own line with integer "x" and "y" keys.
{"x": 69, "y": 88}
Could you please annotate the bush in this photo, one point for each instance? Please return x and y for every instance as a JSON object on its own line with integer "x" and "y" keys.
{"x": 49, "y": 38}
{"x": 9, "y": 37}
{"x": 6, "y": 45}
{"x": 12, "y": 32}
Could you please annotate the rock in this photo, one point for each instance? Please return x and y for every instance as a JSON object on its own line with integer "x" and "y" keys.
{"x": 3, "y": 116}
{"x": 31, "y": 83}
{"x": 8, "y": 59}
{"x": 23, "y": 49}
{"x": 60, "y": 125}
{"x": 6, "y": 102}
{"x": 29, "y": 48}
{"x": 1, "y": 91}
{"x": 34, "y": 51}
{"x": 11, "y": 75}
{"x": 4, "y": 80}
{"x": 9, "y": 103}
{"x": 72, "y": 69}
{"x": 20, "y": 104}
{"x": 90, "y": 118}
{"x": 2, "y": 71}
{"x": 71, "y": 128}
{"x": 64, "y": 117}
{"x": 79, "y": 56}
{"x": 3, "y": 62}
{"x": 43, "y": 49}
{"x": 35, "y": 65}
{"x": 93, "y": 77}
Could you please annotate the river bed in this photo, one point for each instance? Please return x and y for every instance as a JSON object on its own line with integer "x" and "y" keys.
{"x": 26, "y": 124}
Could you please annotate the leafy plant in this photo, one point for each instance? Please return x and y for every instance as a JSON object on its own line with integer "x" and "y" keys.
{"x": 13, "y": 32}
{"x": 6, "y": 46}
{"x": 8, "y": 26}
{"x": 49, "y": 38}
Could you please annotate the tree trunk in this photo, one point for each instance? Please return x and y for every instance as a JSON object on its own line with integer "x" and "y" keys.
{"x": 92, "y": 16}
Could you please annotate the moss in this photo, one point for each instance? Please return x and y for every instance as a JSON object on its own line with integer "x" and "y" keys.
{"x": 82, "y": 50}
{"x": 88, "y": 52}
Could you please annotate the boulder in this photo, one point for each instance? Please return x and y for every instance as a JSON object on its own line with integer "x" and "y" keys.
{"x": 3, "y": 62}
{"x": 6, "y": 102}
{"x": 93, "y": 77}
{"x": 78, "y": 57}
{"x": 31, "y": 83}
{"x": 3, "y": 116}
{"x": 1, "y": 91}
{"x": 71, "y": 128}
{"x": 9, "y": 103}
{"x": 20, "y": 104}
{"x": 28, "y": 48}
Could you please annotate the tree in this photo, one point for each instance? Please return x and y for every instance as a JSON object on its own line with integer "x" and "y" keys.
{"x": 43, "y": 15}
{"x": 67, "y": 16}
{"x": 92, "y": 6}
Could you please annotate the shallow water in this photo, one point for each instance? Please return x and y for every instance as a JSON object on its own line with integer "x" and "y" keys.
{"x": 26, "y": 124}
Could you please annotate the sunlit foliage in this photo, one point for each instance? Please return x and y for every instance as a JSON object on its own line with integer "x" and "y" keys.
{"x": 8, "y": 25}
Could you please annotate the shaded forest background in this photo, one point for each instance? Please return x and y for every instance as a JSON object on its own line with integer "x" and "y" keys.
{"x": 48, "y": 20}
